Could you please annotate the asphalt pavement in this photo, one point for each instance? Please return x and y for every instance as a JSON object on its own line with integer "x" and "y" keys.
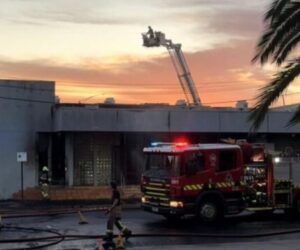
{"x": 268, "y": 244}
{"x": 141, "y": 222}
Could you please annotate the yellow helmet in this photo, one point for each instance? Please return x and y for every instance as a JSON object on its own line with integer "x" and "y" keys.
{"x": 45, "y": 169}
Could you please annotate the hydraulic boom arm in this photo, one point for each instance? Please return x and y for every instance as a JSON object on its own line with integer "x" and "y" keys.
{"x": 156, "y": 39}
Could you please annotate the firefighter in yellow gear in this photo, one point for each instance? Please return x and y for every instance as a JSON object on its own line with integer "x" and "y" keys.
{"x": 44, "y": 182}
{"x": 115, "y": 215}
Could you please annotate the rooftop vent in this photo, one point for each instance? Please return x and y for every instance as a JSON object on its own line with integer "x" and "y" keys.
{"x": 242, "y": 105}
{"x": 57, "y": 99}
{"x": 181, "y": 103}
{"x": 109, "y": 100}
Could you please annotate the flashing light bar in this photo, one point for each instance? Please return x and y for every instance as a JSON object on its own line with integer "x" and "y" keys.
{"x": 177, "y": 144}
{"x": 155, "y": 144}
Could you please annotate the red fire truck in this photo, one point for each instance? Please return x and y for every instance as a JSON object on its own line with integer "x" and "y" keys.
{"x": 213, "y": 180}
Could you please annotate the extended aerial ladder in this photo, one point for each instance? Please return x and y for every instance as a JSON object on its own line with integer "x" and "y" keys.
{"x": 156, "y": 39}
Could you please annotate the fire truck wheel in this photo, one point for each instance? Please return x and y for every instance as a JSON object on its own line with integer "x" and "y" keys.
{"x": 209, "y": 211}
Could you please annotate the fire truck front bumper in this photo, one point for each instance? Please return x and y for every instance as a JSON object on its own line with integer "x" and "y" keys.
{"x": 172, "y": 207}
{"x": 163, "y": 210}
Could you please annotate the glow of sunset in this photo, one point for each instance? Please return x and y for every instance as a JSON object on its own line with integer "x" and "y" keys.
{"x": 93, "y": 49}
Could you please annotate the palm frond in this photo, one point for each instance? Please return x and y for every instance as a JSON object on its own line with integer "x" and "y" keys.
{"x": 279, "y": 15}
{"x": 275, "y": 35}
{"x": 275, "y": 9}
{"x": 295, "y": 118}
{"x": 290, "y": 42}
{"x": 262, "y": 43}
{"x": 272, "y": 91}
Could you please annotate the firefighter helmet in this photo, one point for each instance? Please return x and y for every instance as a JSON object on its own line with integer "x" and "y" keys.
{"x": 45, "y": 169}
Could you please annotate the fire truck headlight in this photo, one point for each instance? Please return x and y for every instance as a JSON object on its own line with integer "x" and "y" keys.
{"x": 176, "y": 204}
{"x": 143, "y": 199}
{"x": 276, "y": 159}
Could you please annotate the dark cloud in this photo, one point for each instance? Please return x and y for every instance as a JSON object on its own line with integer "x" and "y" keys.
{"x": 217, "y": 73}
{"x": 78, "y": 18}
{"x": 238, "y": 22}
{"x": 219, "y": 4}
{"x": 94, "y": 12}
{"x": 24, "y": 22}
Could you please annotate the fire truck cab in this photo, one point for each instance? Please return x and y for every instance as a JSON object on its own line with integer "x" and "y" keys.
{"x": 213, "y": 180}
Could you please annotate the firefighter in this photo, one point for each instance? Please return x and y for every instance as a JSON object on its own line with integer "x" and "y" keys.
{"x": 150, "y": 32}
{"x": 44, "y": 182}
{"x": 115, "y": 215}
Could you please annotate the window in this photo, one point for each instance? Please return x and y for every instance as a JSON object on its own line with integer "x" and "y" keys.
{"x": 227, "y": 160}
{"x": 258, "y": 155}
{"x": 169, "y": 164}
{"x": 194, "y": 163}
{"x": 92, "y": 159}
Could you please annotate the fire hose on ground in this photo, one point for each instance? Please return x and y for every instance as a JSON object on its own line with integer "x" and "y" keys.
{"x": 58, "y": 237}
{"x": 52, "y": 213}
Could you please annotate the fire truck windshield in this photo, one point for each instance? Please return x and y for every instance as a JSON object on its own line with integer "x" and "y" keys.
{"x": 167, "y": 165}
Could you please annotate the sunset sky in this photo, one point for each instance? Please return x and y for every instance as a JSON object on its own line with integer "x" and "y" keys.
{"x": 93, "y": 48}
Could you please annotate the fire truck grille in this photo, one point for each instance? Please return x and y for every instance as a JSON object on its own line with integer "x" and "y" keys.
{"x": 157, "y": 194}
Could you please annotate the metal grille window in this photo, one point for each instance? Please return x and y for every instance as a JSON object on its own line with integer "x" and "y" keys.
{"x": 93, "y": 159}
{"x": 103, "y": 163}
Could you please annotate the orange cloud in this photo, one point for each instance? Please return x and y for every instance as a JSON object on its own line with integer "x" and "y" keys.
{"x": 222, "y": 76}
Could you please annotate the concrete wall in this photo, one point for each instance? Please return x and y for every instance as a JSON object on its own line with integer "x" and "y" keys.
{"x": 25, "y": 108}
{"x": 80, "y": 118}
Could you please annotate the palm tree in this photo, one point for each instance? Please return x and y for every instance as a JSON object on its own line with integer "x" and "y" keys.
{"x": 278, "y": 41}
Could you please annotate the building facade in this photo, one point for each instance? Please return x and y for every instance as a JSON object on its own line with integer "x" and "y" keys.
{"x": 87, "y": 146}
{"x": 26, "y": 110}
